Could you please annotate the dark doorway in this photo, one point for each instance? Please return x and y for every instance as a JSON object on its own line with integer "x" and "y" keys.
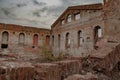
{"x": 4, "y": 46}
{"x": 5, "y": 37}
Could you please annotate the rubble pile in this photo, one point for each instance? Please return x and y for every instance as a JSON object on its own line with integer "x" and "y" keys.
{"x": 88, "y": 76}
{"x": 102, "y": 65}
{"x": 103, "y": 62}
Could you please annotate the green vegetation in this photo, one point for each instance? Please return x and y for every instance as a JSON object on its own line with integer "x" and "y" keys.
{"x": 49, "y": 56}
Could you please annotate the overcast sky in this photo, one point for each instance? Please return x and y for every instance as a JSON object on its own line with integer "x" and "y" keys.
{"x": 36, "y": 13}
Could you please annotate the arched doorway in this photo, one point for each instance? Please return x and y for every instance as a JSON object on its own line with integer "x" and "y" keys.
{"x": 47, "y": 40}
{"x": 21, "y": 38}
{"x": 5, "y": 38}
{"x": 35, "y": 40}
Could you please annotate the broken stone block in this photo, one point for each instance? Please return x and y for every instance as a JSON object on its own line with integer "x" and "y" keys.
{"x": 88, "y": 76}
{"x": 69, "y": 67}
{"x": 103, "y": 60}
{"x": 16, "y": 70}
{"x": 47, "y": 71}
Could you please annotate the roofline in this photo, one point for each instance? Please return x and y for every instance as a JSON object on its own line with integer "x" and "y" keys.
{"x": 23, "y": 26}
{"x": 98, "y": 6}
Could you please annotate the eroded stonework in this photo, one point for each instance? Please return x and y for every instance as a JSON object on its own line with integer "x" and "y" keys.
{"x": 12, "y": 36}
{"x": 86, "y": 36}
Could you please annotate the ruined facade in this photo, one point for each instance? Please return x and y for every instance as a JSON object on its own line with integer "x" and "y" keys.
{"x": 13, "y": 36}
{"x": 82, "y": 29}
{"x": 91, "y": 31}
{"x": 79, "y": 28}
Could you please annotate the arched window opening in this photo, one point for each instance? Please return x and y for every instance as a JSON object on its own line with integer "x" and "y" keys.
{"x": 35, "y": 40}
{"x": 59, "y": 42}
{"x": 68, "y": 40}
{"x": 97, "y": 33}
{"x": 21, "y": 38}
{"x": 80, "y": 38}
{"x": 69, "y": 18}
{"x": 5, "y": 38}
{"x": 47, "y": 40}
{"x": 77, "y": 16}
{"x": 63, "y": 21}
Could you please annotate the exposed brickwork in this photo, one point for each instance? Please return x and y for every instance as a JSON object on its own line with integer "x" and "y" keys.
{"x": 29, "y": 32}
{"x": 89, "y": 19}
{"x": 16, "y": 71}
{"x": 97, "y": 57}
{"x": 69, "y": 67}
{"x": 48, "y": 71}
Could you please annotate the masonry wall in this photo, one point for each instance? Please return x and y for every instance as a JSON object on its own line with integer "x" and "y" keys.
{"x": 29, "y": 32}
{"x": 89, "y": 19}
{"x": 112, "y": 20}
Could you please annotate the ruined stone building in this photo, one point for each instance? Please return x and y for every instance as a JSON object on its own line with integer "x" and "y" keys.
{"x": 88, "y": 34}
{"x": 82, "y": 29}
{"x": 12, "y": 36}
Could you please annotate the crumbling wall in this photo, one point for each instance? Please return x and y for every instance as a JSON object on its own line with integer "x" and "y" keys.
{"x": 16, "y": 71}
{"x": 88, "y": 21}
{"x": 29, "y": 32}
{"x": 112, "y": 20}
{"x": 47, "y": 71}
{"x": 69, "y": 67}
{"x": 103, "y": 61}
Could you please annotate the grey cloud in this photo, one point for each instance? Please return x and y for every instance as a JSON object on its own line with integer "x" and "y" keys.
{"x": 21, "y": 5}
{"x": 38, "y": 3}
{"x": 29, "y": 10}
{"x": 1, "y": 0}
{"x": 6, "y": 11}
{"x": 37, "y": 14}
{"x": 43, "y": 9}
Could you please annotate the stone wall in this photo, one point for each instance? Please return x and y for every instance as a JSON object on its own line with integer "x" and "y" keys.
{"x": 14, "y": 32}
{"x": 112, "y": 20}
{"x": 107, "y": 18}
{"x": 17, "y": 70}
{"x": 89, "y": 19}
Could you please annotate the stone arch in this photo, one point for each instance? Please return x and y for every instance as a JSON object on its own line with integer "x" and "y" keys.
{"x": 22, "y": 38}
{"x": 5, "y": 38}
{"x": 97, "y": 33}
{"x": 69, "y": 18}
{"x": 67, "y": 39}
{"x": 35, "y": 40}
